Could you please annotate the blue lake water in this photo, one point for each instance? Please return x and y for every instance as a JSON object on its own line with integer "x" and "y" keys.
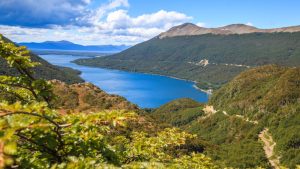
{"x": 145, "y": 90}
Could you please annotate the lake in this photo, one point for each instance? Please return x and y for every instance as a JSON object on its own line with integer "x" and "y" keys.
{"x": 145, "y": 90}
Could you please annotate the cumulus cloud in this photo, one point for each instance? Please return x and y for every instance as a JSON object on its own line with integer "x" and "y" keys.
{"x": 84, "y": 36}
{"x": 94, "y": 17}
{"x": 119, "y": 22}
{"x": 15, "y": 30}
{"x": 71, "y": 20}
{"x": 33, "y": 13}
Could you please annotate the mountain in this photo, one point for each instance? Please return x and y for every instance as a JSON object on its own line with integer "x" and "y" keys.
{"x": 66, "y": 45}
{"x": 260, "y": 103}
{"x": 260, "y": 91}
{"x": 45, "y": 70}
{"x": 189, "y": 29}
{"x": 269, "y": 95}
{"x": 210, "y": 59}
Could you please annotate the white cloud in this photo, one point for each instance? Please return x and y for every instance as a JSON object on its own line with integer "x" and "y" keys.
{"x": 161, "y": 19}
{"x": 201, "y": 24}
{"x": 146, "y": 25}
{"x": 96, "y": 16}
{"x": 34, "y": 13}
{"x": 84, "y": 36}
{"x": 111, "y": 23}
{"x": 15, "y": 30}
{"x": 249, "y": 24}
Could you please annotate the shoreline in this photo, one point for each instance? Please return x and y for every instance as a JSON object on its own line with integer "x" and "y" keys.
{"x": 209, "y": 91}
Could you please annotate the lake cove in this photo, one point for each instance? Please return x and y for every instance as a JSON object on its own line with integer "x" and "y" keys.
{"x": 145, "y": 90}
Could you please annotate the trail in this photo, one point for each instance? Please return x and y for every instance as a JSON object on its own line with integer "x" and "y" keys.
{"x": 264, "y": 136}
{"x": 209, "y": 110}
{"x": 269, "y": 145}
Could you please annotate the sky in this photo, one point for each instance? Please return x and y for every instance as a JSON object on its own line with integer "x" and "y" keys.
{"x": 99, "y": 22}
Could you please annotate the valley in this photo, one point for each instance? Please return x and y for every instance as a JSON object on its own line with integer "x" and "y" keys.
{"x": 138, "y": 88}
{"x": 126, "y": 119}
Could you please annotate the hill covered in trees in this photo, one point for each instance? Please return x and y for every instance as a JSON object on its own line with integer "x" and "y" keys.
{"x": 260, "y": 91}
{"x": 261, "y": 99}
{"x": 209, "y": 59}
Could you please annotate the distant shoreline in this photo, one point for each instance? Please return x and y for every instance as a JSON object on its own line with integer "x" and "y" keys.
{"x": 209, "y": 91}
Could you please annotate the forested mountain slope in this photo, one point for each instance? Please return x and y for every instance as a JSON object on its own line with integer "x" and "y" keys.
{"x": 210, "y": 59}
{"x": 45, "y": 70}
{"x": 260, "y": 91}
{"x": 261, "y": 98}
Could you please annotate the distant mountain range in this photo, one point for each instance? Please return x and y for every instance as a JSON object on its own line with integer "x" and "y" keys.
{"x": 189, "y": 29}
{"x": 66, "y": 45}
{"x": 44, "y": 71}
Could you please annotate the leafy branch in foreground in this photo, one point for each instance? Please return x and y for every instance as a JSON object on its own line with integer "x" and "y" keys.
{"x": 34, "y": 135}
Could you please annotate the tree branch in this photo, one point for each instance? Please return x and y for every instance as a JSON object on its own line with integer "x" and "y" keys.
{"x": 56, "y": 130}
{"x": 44, "y": 147}
{"x": 31, "y": 114}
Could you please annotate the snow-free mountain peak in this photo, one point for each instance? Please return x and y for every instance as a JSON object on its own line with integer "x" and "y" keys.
{"x": 189, "y": 29}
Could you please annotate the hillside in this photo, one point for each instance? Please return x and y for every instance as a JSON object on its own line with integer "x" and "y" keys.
{"x": 226, "y": 136}
{"x": 258, "y": 100}
{"x": 66, "y": 45}
{"x": 259, "y": 91}
{"x": 178, "y": 112}
{"x": 86, "y": 97}
{"x": 45, "y": 70}
{"x": 209, "y": 59}
{"x": 270, "y": 95}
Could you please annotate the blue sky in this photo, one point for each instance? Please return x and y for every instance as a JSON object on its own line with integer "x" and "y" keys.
{"x": 133, "y": 21}
{"x": 262, "y": 13}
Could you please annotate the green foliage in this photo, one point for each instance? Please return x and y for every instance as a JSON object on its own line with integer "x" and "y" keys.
{"x": 271, "y": 95}
{"x": 242, "y": 154}
{"x": 34, "y": 135}
{"x": 229, "y": 140}
{"x": 260, "y": 91}
{"x": 173, "y": 56}
{"x": 178, "y": 112}
{"x": 285, "y": 131}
